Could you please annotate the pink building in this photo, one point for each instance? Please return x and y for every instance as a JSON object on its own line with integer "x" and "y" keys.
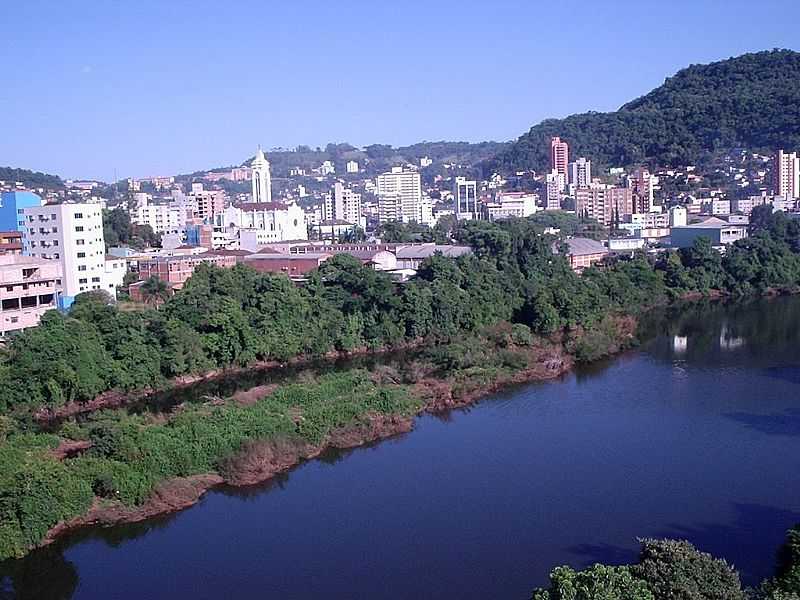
{"x": 175, "y": 270}
{"x": 559, "y": 156}
{"x": 29, "y": 287}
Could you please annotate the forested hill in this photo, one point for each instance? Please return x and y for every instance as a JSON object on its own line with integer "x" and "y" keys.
{"x": 30, "y": 179}
{"x": 750, "y": 101}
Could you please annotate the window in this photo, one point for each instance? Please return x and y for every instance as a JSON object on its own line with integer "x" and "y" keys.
{"x": 56, "y": 255}
{"x": 82, "y": 280}
{"x": 55, "y": 242}
{"x": 52, "y": 216}
{"x": 95, "y": 279}
{"x": 19, "y": 211}
{"x": 79, "y": 228}
{"x": 14, "y": 319}
{"x": 81, "y": 267}
{"x": 79, "y": 242}
{"x": 81, "y": 254}
{"x": 55, "y": 229}
{"x": 77, "y": 216}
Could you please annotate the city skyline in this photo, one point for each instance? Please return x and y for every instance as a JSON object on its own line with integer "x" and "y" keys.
{"x": 152, "y": 89}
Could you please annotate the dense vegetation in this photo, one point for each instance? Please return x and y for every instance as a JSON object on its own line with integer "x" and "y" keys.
{"x": 675, "y": 570}
{"x": 118, "y": 230}
{"x": 234, "y": 317}
{"x": 31, "y": 179}
{"x": 749, "y": 101}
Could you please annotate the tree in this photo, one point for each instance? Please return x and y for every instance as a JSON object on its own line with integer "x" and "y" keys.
{"x": 598, "y": 582}
{"x": 676, "y": 569}
{"x": 155, "y": 291}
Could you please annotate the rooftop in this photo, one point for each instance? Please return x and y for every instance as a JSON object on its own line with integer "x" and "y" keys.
{"x": 583, "y": 246}
{"x": 711, "y": 223}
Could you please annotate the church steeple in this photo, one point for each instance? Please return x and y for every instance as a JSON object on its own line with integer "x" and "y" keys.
{"x": 261, "y": 180}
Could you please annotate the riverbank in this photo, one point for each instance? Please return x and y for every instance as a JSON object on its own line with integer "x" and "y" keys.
{"x": 451, "y": 377}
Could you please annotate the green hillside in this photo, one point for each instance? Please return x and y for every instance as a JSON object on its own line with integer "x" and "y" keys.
{"x": 30, "y": 179}
{"x": 750, "y": 101}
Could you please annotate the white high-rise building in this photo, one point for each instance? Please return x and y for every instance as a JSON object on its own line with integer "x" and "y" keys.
{"x": 261, "y": 178}
{"x": 73, "y": 235}
{"x": 399, "y": 196}
{"x": 787, "y": 174}
{"x": 465, "y": 194}
{"x": 580, "y": 172}
{"x": 554, "y": 185}
{"x": 343, "y": 205}
{"x": 352, "y": 166}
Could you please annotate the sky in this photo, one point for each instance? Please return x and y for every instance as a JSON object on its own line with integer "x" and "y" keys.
{"x": 94, "y": 88}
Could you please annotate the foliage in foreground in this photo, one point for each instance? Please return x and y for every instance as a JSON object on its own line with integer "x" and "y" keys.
{"x": 674, "y": 570}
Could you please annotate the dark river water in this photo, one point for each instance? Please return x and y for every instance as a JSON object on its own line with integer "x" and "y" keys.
{"x": 694, "y": 435}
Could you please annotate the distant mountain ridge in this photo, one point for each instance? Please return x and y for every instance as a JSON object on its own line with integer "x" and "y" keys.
{"x": 751, "y": 101}
{"x": 31, "y": 179}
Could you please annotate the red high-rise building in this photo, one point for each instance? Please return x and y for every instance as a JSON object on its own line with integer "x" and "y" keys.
{"x": 559, "y": 156}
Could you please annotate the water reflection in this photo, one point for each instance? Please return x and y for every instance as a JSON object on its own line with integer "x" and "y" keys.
{"x": 712, "y": 333}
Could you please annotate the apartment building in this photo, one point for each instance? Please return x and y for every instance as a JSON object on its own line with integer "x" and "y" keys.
{"x": 29, "y": 287}
{"x": 161, "y": 217}
{"x": 787, "y": 174}
{"x": 554, "y": 186}
{"x": 12, "y": 205}
{"x": 642, "y": 183}
{"x": 601, "y": 202}
{"x": 343, "y": 205}
{"x": 399, "y": 196}
{"x": 465, "y": 194}
{"x": 559, "y": 156}
{"x": 73, "y": 235}
{"x": 580, "y": 172}
{"x": 510, "y": 204}
{"x": 11, "y": 242}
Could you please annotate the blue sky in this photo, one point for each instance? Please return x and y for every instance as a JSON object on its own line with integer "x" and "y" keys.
{"x": 150, "y": 87}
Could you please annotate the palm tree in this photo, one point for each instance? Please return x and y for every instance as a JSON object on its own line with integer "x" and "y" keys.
{"x": 155, "y": 291}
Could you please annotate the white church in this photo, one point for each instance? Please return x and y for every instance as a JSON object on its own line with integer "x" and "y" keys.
{"x": 262, "y": 221}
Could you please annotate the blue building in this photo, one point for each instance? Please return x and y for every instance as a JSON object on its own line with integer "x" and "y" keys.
{"x": 11, "y": 206}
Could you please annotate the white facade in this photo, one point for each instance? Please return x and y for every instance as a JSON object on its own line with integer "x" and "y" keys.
{"x": 425, "y": 162}
{"x": 465, "y": 194}
{"x": 399, "y": 196}
{"x": 162, "y": 218}
{"x": 677, "y": 216}
{"x": 73, "y": 235}
{"x": 720, "y": 207}
{"x": 327, "y": 168}
{"x": 580, "y": 173}
{"x": 511, "y": 204}
{"x": 274, "y": 222}
{"x": 352, "y": 166}
{"x": 787, "y": 174}
{"x": 554, "y": 185}
{"x": 343, "y": 205}
{"x": 261, "y": 179}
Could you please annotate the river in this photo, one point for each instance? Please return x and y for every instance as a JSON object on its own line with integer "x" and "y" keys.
{"x": 694, "y": 435}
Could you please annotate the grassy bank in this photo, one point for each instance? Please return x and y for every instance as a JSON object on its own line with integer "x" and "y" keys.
{"x": 114, "y": 466}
